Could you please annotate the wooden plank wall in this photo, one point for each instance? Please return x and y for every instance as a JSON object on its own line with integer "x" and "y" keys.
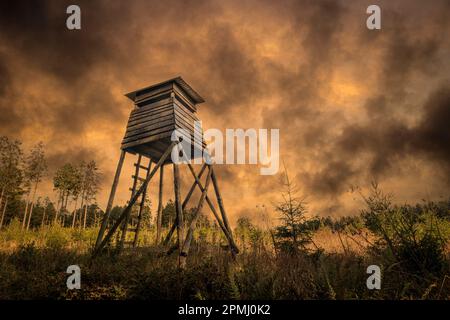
{"x": 150, "y": 123}
{"x": 156, "y": 115}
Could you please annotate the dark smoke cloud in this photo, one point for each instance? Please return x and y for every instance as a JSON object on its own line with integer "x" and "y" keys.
{"x": 390, "y": 140}
{"x": 292, "y": 65}
{"x": 37, "y": 30}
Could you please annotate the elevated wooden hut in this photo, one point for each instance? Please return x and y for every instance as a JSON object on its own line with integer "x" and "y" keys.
{"x": 158, "y": 111}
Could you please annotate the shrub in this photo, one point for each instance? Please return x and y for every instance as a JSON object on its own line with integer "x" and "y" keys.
{"x": 57, "y": 237}
{"x": 409, "y": 236}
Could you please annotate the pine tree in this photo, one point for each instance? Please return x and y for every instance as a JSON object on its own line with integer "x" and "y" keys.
{"x": 295, "y": 232}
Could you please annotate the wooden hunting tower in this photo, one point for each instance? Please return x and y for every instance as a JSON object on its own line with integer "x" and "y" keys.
{"x": 158, "y": 111}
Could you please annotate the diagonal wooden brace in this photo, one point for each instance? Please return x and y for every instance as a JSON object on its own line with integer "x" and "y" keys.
{"x": 185, "y": 202}
{"x": 233, "y": 247}
{"x": 133, "y": 200}
{"x": 187, "y": 242}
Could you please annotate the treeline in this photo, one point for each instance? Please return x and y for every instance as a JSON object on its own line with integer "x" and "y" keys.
{"x": 21, "y": 175}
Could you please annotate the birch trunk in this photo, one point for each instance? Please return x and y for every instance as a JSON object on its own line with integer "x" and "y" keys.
{"x": 26, "y": 210}
{"x": 3, "y": 212}
{"x": 1, "y": 200}
{"x": 32, "y": 205}
{"x": 81, "y": 207}
{"x": 1, "y": 197}
{"x": 57, "y": 208}
{"x": 85, "y": 216}
{"x": 75, "y": 213}
{"x": 43, "y": 217}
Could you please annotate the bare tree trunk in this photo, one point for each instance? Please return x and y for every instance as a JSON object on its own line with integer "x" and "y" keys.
{"x": 26, "y": 210}
{"x": 1, "y": 196}
{"x": 57, "y": 208}
{"x": 58, "y": 212}
{"x": 67, "y": 199}
{"x": 75, "y": 213}
{"x": 81, "y": 207}
{"x": 32, "y": 205}
{"x": 160, "y": 205}
{"x": 85, "y": 215}
{"x": 29, "y": 215}
{"x": 43, "y": 216}
{"x": 3, "y": 212}
{"x": 1, "y": 200}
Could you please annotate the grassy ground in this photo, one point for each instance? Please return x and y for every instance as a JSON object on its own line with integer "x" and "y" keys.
{"x": 33, "y": 265}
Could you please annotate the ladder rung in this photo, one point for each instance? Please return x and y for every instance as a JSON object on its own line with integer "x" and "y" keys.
{"x": 139, "y": 178}
{"x": 141, "y": 167}
{"x": 131, "y": 229}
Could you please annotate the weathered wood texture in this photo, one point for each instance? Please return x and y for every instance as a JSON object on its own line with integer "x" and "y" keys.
{"x": 178, "y": 208}
{"x": 159, "y": 110}
{"x": 133, "y": 191}
{"x": 190, "y": 234}
{"x": 185, "y": 202}
{"x": 110, "y": 200}
{"x": 160, "y": 205}
{"x": 103, "y": 241}
{"x": 141, "y": 207}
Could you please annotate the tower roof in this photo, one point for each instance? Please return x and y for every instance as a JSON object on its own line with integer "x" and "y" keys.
{"x": 178, "y": 80}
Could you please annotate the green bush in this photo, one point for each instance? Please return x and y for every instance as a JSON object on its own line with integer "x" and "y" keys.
{"x": 414, "y": 238}
{"x": 57, "y": 237}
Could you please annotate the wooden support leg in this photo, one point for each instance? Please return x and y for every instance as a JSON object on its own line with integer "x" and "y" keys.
{"x": 233, "y": 246}
{"x": 133, "y": 200}
{"x": 191, "y": 190}
{"x": 141, "y": 209}
{"x": 160, "y": 205}
{"x": 178, "y": 208}
{"x": 211, "y": 206}
{"x": 185, "y": 202}
{"x": 187, "y": 243}
{"x": 110, "y": 200}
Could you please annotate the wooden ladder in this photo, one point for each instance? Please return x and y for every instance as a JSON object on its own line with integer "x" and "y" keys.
{"x": 128, "y": 225}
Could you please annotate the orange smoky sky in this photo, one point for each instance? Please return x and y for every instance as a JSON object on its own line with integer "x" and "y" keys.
{"x": 353, "y": 105}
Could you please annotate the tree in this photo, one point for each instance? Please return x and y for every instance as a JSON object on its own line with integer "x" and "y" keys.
{"x": 168, "y": 214}
{"x": 35, "y": 167}
{"x": 10, "y": 172}
{"x": 45, "y": 204}
{"x": 89, "y": 186}
{"x": 242, "y": 231}
{"x": 67, "y": 182}
{"x": 93, "y": 214}
{"x": 115, "y": 213}
{"x": 295, "y": 233}
{"x": 146, "y": 218}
